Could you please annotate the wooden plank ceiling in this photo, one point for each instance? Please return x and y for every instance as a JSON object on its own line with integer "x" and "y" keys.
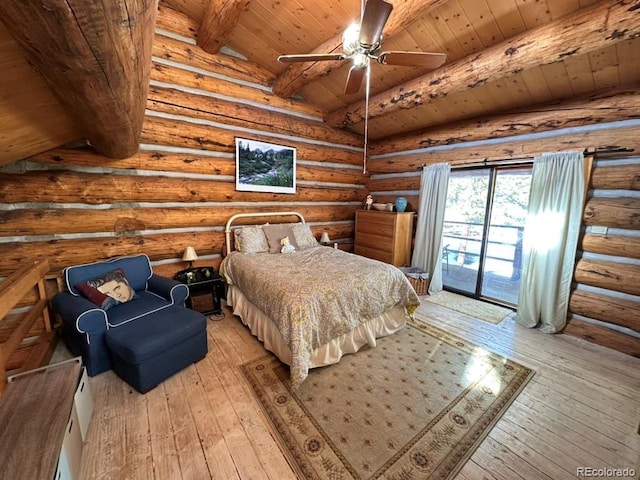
{"x": 558, "y": 49}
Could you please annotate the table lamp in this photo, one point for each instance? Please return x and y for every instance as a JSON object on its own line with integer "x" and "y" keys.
{"x": 189, "y": 256}
{"x": 324, "y": 239}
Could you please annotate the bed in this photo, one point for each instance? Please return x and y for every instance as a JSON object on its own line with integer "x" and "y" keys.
{"x": 313, "y": 305}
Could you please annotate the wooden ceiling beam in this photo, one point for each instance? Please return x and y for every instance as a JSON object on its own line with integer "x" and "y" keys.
{"x": 605, "y": 106}
{"x": 95, "y": 57}
{"x": 587, "y": 30}
{"x": 298, "y": 75}
{"x": 220, "y": 19}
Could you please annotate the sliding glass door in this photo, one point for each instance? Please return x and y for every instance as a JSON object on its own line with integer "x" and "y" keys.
{"x": 484, "y": 219}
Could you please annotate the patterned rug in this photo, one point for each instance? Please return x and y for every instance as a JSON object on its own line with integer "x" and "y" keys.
{"x": 414, "y": 407}
{"x": 469, "y": 306}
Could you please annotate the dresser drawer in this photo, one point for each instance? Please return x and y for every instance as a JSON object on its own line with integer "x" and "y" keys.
{"x": 376, "y": 218}
{"x": 380, "y": 229}
{"x": 375, "y": 240}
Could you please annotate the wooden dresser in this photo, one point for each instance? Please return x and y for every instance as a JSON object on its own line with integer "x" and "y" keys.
{"x": 384, "y": 236}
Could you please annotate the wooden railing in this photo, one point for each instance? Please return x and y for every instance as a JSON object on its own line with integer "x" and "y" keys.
{"x": 12, "y": 290}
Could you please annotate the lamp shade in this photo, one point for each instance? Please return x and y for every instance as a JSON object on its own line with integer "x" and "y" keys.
{"x": 189, "y": 255}
{"x": 325, "y": 238}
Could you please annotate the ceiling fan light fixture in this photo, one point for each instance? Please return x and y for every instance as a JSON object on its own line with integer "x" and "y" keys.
{"x": 350, "y": 43}
{"x": 360, "y": 60}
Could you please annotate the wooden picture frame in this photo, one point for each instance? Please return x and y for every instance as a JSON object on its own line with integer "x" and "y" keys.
{"x": 265, "y": 167}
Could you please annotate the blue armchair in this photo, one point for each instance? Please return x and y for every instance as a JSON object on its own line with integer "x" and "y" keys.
{"x": 144, "y": 340}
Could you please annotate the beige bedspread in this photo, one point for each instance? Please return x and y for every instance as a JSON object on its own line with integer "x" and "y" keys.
{"x": 317, "y": 294}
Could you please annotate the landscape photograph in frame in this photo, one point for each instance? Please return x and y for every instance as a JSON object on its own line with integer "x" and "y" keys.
{"x": 265, "y": 167}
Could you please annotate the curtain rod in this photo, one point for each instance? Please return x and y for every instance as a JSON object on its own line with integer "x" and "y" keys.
{"x": 524, "y": 160}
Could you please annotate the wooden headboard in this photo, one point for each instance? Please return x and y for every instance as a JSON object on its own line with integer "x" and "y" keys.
{"x": 229, "y": 246}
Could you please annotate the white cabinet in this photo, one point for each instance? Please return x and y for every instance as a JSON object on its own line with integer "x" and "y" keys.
{"x": 83, "y": 404}
{"x": 76, "y": 432}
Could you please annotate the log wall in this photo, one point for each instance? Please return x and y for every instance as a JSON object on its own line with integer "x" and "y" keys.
{"x": 71, "y": 205}
{"x": 605, "y": 305}
{"x": 605, "y": 301}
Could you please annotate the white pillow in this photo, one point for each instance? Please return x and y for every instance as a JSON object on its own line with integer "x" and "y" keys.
{"x": 250, "y": 240}
{"x": 304, "y": 236}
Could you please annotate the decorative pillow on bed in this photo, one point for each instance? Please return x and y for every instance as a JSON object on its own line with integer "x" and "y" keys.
{"x": 250, "y": 240}
{"x": 304, "y": 236}
{"x": 277, "y": 232}
{"x": 107, "y": 290}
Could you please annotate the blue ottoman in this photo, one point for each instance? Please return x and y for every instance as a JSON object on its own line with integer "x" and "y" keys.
{"x": 146, "y": 353}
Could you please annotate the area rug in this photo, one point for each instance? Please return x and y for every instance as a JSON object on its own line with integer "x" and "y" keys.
{"x": 469, "y": 306}
{"x": 414, "y": 407}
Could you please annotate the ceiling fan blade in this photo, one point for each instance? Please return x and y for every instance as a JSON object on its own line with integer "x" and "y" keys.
{"x": 376, "y": 14}
{"x": 354, "y": 80}
{"x": 412, "y": 59}
{"x": 311, "y": 57}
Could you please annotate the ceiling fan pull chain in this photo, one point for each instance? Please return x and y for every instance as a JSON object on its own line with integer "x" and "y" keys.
{"x": 366, "y": 118}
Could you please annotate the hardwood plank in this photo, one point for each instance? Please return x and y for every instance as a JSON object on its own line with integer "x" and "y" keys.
{"x": 105, "y": 450}
{"x": 263, "y": 441}
{"x": 585, "y": 414}
{"x": 164, "y": 450}
{"x": 258, "y": 457}
{"x": 559, "y": 446}
{"x": 499, "y": 460}
{"x": 138, "y": 460}
{"x": 524, "y": 445}
{"x": 473, "y": 471}
{"x": 211, "y": 435}
{"x": 603, "y": 449}
{"x": 193, "y": 463}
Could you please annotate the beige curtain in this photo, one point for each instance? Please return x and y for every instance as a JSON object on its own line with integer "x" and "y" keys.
{"x": 551, "y": 233}
{"x": 427, "y": 252}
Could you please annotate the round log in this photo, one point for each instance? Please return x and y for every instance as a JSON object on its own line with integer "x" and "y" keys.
{"x": 615, "y": 245}
{"x": 618, "y": 277}
{"x": 623, "y": 137}
{"x": 72, "y": 187}
{"x": 52, "y": 221}
{"x": 619, "y": 177}
{"x": 617, "y": 311}
{"x": 613, "y": 212}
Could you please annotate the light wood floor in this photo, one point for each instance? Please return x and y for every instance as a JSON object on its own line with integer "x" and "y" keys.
{"x": 581, "y": 409}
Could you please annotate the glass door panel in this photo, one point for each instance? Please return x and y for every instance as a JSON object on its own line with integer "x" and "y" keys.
{"x": 502, "y": 262}
{"x": 464, "y": 221}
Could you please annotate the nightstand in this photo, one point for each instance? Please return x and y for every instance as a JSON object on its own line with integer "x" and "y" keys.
{"x": 203, "y": 281}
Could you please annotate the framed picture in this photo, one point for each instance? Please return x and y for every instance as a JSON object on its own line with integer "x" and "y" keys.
{"x": 265, "y": 167}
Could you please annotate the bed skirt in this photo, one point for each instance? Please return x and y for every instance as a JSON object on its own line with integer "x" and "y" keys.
{"x": 266, "y": 331}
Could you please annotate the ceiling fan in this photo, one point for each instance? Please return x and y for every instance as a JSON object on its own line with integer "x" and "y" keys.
{"x": 362, "y": 42}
